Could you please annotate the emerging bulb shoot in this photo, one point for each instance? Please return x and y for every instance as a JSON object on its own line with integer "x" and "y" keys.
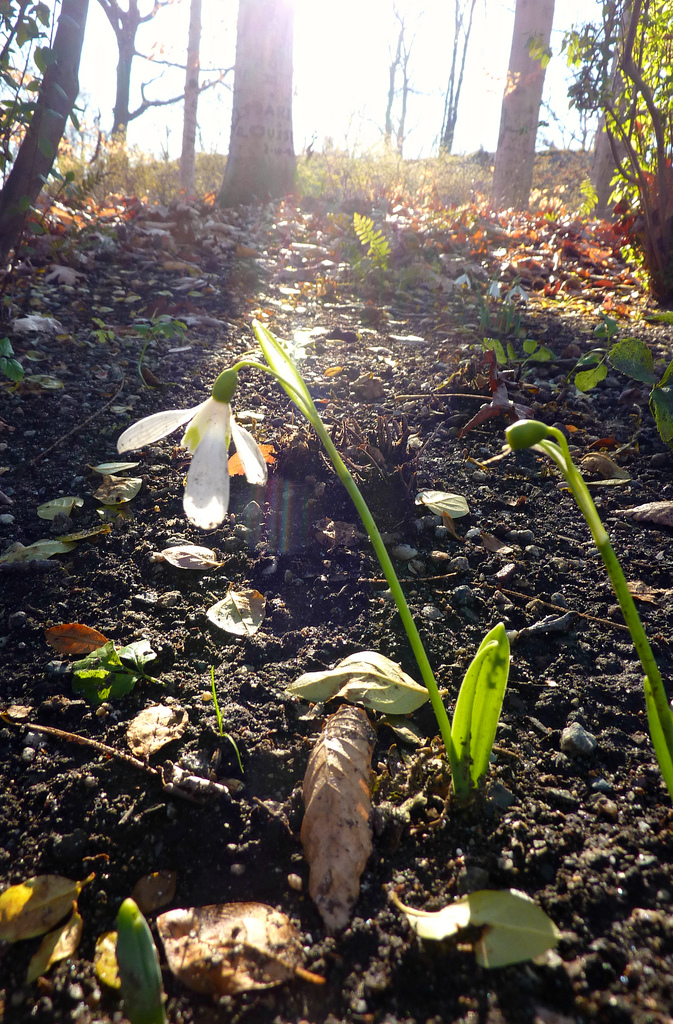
{"x": 525, "y": 434}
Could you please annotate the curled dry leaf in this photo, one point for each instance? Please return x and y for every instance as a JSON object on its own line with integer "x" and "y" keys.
{"x": 658, "y": 513}
{"x": 191, "y": 556}
{"x": 118, "y": 489}
{"x": 74, "y": 638}
{"x": 154, "y": 727}
{"x": 603, "y": 466}
{"x": 55, "y": 946}
{"x": 455, "y": 505}
{"x": 364, "y": 678}
{"x": 241, "y": 612}
{"x": 334, "y": 534}
{"x": 514, "y": 927}
{"x": 335, "y": 833}
{"x": 229, "y": 948}
{"x": 50, "y": 509}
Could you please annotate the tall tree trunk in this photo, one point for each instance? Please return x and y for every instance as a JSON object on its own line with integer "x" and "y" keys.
{"x": 392, "y": 75}
{"x": 39, "y": 148}
{"x": 187, "y": 157}
{"x": 453, "y": 89}
{"x": 515, "y": 156}
{"x": 261, "y": 162}
{"x": 126, "y": 42}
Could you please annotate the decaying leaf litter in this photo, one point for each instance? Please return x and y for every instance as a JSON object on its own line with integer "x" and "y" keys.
{"x": 575, "y": 814}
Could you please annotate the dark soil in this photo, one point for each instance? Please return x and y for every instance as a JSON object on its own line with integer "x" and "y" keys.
{"x": 588, "y": 837}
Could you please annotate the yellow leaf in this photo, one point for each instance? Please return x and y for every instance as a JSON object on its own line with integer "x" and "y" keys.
{"x": 33, "y": 907}
{"x": 105, "y": 960}
{"x": 57, "y": 945}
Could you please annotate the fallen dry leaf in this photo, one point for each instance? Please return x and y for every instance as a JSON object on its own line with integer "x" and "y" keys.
{"x": 74, "y": 638}
{"x": 151, "y": 892}
{"x": 658, "y": 513}
{"x": 603, "y": 466}
{"x": 335, "y": 833}
{"x": 333, "y": 534}
{"x": 236, "y": 466}
{"x": 33, "y": 907}
{"x": 229, "y": 948}
{"x": 241, "y": 612}
{"x": 105, "y": 960}
{"x": 55, "y": 946}
{"x": 154, "y": 727}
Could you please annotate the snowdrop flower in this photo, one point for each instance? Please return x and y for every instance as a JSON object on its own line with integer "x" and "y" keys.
{"x": 210, "y": 428}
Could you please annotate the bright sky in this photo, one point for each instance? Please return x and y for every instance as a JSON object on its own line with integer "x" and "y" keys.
{"x": 341, "y": 57}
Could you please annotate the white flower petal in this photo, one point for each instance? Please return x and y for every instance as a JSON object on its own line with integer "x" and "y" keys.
{"x": 206, "y": 497}
{"x": 251, "y": 457}
{"x": 153, "y": 428}
{"x": 212, "y": 414}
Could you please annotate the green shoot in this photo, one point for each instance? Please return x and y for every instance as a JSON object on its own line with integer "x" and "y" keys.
{"x": 139, "y": 970}
{"x": 10, "y": 367}
{"x": 218, "y": 713}
{"x": 477, "y": 711}
{"x": 632, "y": 357}
{"x": 551, "y": 442}
{"x": 281, "y": 366}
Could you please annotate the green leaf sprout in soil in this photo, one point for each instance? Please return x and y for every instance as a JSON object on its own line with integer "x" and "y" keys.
{"x": 110, "y": 672}
{"x": 500, "y": 314}
{"x": 139, "y": 969}
{"x": 218, "y": 715}
{"x": 282, "y": 367}
{"x": 533, "y": 352}
{"x": 632, "y": 357}
{"x": 551, "y": 442}
{"x": 9, "y": 366}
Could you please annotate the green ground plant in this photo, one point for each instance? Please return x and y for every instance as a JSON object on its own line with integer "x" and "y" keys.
{"x": 551, "y": 442}
{"x": 9, "y": 366}
{"x": 468, "y": 744}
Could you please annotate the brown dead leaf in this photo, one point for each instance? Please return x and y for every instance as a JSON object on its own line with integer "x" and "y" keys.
{"x": 335, "y": 833}
{"x": 601, "y": 465}
{"x": 656, "y": 513}
{"x": 333, "y": 534}
{"x": 368, "y": 388}
{"x": 229, "y": 948}
{"x": 154, "y": 727}
{"x": 74, "y": 638}
{"x": 642, "y": 592}
{"x": 492, "y": 543}
{"x": 151, "y": 892}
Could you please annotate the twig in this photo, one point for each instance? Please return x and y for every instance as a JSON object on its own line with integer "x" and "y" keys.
{"x": 560, "y": 608}
{"x": 82, "y": 741}
{"x": 79, "y": 426}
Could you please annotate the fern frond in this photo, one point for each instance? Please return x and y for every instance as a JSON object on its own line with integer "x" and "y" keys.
{"x": 378, "y": 246}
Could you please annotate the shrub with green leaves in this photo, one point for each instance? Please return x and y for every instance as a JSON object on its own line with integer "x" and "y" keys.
{"x": 632, "y": 357}
{"x": 9, "y": 366}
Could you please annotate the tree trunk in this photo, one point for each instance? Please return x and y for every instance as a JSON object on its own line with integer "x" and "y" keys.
{"x": 187, "y": 157}
{"x": 38, "y": 150}
{"x": 602, "y": 170}
{"x": 453, "y": 89}
{"x": 515, "y": 156}
{"x": 261, "y": 162}
{"x": 126, "y": 42}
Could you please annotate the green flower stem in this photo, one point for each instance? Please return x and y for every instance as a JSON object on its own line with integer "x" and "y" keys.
{"x": 386, "y": 565}
{"x": 658, "y": 709}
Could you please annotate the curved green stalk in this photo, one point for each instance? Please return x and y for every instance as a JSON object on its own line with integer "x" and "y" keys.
{"x": 280, "y": 367}
{"x": 527, "y": 433}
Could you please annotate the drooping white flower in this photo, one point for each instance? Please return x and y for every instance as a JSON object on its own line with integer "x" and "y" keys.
{"x": 210, "y": 429}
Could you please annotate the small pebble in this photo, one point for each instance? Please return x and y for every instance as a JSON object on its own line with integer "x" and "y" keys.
{"x": 576, "y": 741}
{"x": 295, "y": 882}
{"x": 431, "y": 612}
{"x": 237, "y": 869}
{"x": 403, "y": 552}
{"x": 459, "y": 564}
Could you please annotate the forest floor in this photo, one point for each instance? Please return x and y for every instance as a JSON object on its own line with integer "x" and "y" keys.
{"x": 394, "y": 359}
